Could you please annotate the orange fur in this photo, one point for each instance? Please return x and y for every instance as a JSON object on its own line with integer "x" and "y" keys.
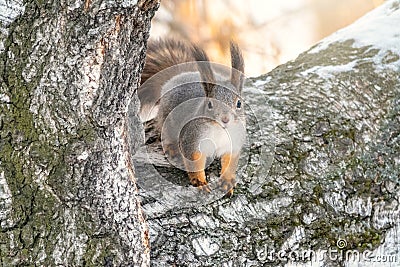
{"x": 198, "y": 176}
{"x": 229, "y": 163}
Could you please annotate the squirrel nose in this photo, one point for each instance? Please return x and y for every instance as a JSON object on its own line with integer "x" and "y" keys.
{"x": 225, "y": 119}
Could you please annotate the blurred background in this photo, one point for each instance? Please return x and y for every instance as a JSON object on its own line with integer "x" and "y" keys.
{"x": 270, "y": 32}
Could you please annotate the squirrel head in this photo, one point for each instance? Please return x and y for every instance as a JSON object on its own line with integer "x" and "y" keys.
{"x": 223, "y": 102}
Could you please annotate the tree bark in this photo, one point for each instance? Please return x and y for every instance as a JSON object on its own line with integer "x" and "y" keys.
{"x": 321, "y": 164}
{"x": 68, "y": 70}
{"x": 320, "y": 170}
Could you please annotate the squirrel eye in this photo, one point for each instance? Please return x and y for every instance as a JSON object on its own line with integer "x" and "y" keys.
{"x": 210, "y": 106}
{"x": 238, "y": 104}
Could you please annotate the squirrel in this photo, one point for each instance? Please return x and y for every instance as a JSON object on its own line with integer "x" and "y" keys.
{"x": 199, "y": 112}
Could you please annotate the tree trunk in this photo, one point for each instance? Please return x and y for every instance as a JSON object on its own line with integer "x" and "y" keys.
{"x": 67, "y": 72}
{"x": 320, "y": 169}
{"x": 320, "y": 172}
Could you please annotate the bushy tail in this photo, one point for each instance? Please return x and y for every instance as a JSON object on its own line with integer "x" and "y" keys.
{"x": 160, "y": 56}
{"x": 164, "y": 53}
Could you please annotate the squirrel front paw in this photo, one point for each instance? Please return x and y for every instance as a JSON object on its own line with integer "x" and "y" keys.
{"x": 198, "y": 179}
{"x": 227, "y": 184}
{"x": 205, "y": 188}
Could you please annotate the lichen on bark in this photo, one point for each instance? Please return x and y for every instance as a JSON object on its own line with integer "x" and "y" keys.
{"x": 67, "y": 191}
{"x": 333, "y": 183}
{"x": 67, "y": 72}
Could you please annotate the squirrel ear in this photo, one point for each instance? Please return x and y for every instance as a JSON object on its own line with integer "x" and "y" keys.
{"x": 237, "y": 77}
{"x": 206, "y": 73}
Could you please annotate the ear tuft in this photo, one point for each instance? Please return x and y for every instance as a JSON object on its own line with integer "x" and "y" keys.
{"x": 206, "y": 73}
{"x": 237, "y": 62}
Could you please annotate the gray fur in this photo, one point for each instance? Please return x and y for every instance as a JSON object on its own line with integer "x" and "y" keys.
{"x": 184, "y": 118}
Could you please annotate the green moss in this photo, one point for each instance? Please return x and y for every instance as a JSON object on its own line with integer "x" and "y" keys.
{"x": 26, "y": 147}
{"x": 330, "y": 56}
{"x": 32, "y": 212}
{"x": 368, "y": 239}
{"x": 92, "y": 256}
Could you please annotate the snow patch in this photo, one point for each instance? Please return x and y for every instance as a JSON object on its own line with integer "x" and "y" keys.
{"x": 262, "y": 82}
{"x": 328, "y": 72}
{"x": 253, "y": 90}
{"x": 379, "y": 29}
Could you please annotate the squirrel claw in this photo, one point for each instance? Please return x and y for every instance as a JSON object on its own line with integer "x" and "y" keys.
{"x": 198, "y": 182}
{"x": 229, "y": 193}
{"x": 205, "y": 188}
{"x": 226, "y": 186}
